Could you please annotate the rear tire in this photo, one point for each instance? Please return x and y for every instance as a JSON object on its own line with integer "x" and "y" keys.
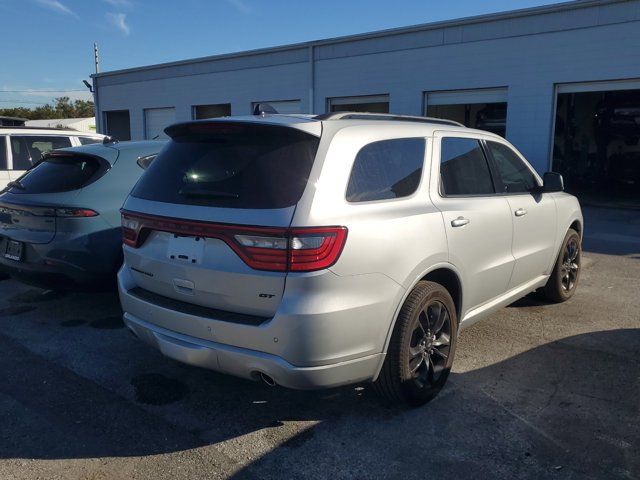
{"x": 422, "y": 347}
{"x": 564, "y": 278}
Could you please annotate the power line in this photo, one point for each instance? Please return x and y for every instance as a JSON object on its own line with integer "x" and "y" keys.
{"x": 23, "y": 101}
{"x": 43, "y": 91}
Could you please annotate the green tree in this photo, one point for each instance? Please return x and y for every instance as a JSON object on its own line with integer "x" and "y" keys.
{"x": 63, "y": 107}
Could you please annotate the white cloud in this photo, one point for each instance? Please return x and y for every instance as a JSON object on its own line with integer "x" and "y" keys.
{"x": 57, "y": 6}
{"x": 119, "y": 20}
{"x": 119, "y": 3}
{"x": 240, "y": 5}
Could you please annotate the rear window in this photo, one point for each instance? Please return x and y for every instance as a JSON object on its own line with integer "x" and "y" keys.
{"x": 59, "y": 174}
{"x": 231, "y": 165}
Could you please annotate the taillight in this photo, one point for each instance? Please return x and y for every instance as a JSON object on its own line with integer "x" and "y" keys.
{"x": 262, "y": 248}
{"x": 75, "y": 212}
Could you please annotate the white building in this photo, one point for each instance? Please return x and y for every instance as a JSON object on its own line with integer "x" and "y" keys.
{"x": 561, "y": 82}
{"x": 80, "y": 124}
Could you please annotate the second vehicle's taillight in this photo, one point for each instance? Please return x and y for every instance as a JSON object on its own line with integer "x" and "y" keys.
{"x": 262, "y": 248}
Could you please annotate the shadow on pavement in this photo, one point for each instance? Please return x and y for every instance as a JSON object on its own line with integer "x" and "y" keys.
{"x": 569, "y": 406}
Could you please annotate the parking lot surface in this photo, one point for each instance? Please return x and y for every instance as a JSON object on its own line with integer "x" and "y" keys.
{"x": 538, "y": 391}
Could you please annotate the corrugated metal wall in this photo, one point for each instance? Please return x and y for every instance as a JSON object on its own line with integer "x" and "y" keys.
{"x": 528, "y": 53}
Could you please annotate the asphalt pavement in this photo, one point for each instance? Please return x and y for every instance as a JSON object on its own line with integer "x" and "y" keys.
{"x": 538, "y": 391}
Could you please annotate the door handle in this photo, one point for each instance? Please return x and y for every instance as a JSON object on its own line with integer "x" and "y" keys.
{"x": 460, "y": 222}
{"x": 521, "y": 212}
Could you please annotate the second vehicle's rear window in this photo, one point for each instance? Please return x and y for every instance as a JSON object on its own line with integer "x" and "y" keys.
{"x": 231, "y": 165}
{"x": 59, "y": 174}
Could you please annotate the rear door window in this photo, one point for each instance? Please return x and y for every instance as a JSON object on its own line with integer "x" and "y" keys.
{"x": 230, "y": 165}
{"x": 28, "y": 149}
{"x": 60, "y": 174}
{"x": 463, "y": 168}
{"x": 386, "y": 169}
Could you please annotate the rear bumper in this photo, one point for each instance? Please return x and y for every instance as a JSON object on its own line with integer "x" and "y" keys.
{"x": 328, "y": 330}
{"x": 250, "y": 364}
{"x": 69, "y": 261}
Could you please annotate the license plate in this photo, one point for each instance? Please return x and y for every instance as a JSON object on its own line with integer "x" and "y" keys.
{"x": 186, "y": 249}
{"x": 13, "y": 250}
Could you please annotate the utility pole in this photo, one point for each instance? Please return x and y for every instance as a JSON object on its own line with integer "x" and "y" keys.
{"x": 95, "y": 57}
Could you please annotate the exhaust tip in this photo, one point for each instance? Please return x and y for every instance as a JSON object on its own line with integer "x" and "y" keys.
{"x": 267, "y": 379}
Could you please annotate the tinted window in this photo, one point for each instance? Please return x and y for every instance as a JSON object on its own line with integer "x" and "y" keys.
{"x": 59, "y": 174}
{"x": 28, "y": 149}
{"x": 89, "y": 140}
{"x": 464, "y": 169}
{"x": 3, "y": 153}
{"x": 386, "y": 169}
{"x": 231, "y": 165}
{"x": 516, "y": 176}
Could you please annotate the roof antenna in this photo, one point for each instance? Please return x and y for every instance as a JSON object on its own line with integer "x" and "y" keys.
{"x": 264, "y": 109}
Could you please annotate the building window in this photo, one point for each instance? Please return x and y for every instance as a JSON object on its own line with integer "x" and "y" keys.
{"x": 386, "y": 169}
{"x": 211, "y": 111}
{"x": 117, "y": 124}
{"x": 156, "y": 120}
{"x": 369, "y": 104}
{"x": 484, "y": 109}
{"x": 282, "y": 106}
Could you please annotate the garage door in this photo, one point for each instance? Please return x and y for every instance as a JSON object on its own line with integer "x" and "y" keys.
{"x": 596, "y": 142}
{"x": 485, "y": 109}
{"x": 283, "y": 106}
{"x": 156, "y": 120}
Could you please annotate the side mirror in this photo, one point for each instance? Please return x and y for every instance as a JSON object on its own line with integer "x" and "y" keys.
{"x": 553, "y": 182}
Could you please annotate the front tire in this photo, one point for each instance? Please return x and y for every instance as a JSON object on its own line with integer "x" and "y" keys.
{"x": 422, "y": 347}
{"x": 566, "y": 272}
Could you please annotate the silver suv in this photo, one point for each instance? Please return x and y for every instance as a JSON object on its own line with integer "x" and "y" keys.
{"x": 312, "y": 252}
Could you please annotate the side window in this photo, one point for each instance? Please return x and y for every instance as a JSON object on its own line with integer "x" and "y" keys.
{"x": 3, "y": 153}
{"x": 386, "y": 169}
{"x": 516, "y": 176}
{"x": 145, "y": 161}
{"x": 463, "y": 168}
{"x": 28, "y": 149}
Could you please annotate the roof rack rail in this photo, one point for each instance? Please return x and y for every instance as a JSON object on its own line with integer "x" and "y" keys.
{"x": 385, "y": 116}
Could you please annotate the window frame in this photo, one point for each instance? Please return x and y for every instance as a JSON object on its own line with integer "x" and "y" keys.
{"x": 493, "y": 165}
{"x": 483, "y": 147}
{"x": 426, "y": 141}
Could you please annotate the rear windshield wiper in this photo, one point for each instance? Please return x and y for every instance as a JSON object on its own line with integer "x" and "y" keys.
{"x": 203, "y": 192}
{"x": 16, "y": 184}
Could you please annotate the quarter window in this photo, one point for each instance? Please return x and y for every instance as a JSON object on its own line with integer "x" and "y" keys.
{"x": 463, "y": 168}
{"x": 516, "y": 176}
{"x": 28, "y": 149}
{"x": 387, "y": 169}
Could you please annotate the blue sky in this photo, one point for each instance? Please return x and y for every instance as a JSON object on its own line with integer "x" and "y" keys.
{"x": 47, "y": 44}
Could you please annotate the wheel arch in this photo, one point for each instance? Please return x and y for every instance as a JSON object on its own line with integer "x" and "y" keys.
{"x": 443, "y": 273}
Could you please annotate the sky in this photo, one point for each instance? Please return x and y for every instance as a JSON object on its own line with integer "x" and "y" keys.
{"x": 47, "y": 45}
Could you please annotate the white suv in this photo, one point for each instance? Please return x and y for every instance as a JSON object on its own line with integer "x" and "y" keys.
{"x": 21, "y": 147}
{"x": 313, "y": 252}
